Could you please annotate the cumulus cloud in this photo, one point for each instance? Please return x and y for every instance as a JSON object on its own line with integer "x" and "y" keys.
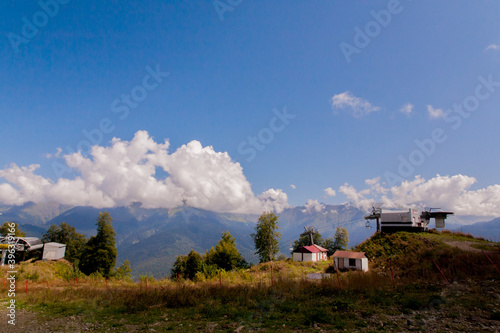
{"x": 435, "y": 113}
{"x": 358, "y": 107}
{"x": 313, "y": 205}
{"x": 447, "y": 192}
{"x": 330, "y": 192}
{"x": 293, "y": 186}
{"x": 494, "y": 47}
{"x": 407, "y": 109}
{"x": 125, "y": 171}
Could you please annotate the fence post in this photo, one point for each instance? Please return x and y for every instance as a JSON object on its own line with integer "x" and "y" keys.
{"x": 441, "y": 271}
{"x": 392, "y": 275}
{"x": 492, "y": 261}
{"x": 272, "y": 281}
{"x": 336, "y": 270}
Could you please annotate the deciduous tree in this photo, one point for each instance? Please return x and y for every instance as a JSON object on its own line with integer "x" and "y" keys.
{"x": 66, "y": 234}
{"x": 225, "y": 255}
{"x": 186, "y": 266}
{"x": 305, "y": 240}
{"x": 340, "y": 239}
{"x": 6, "y": 229}
{"x": 266, "y": 236}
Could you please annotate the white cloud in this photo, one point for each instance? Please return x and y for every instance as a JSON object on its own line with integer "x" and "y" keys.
{"x": 330, "y": 192}
{"x": 358, "y": 106}
{"x": 57, "y": 154}
{"x": 271, "y": 200}
{"x": 493, "y": 47}
{"x": 447, "y": 192}
{"x": 293, "y": 186}
{"x": 435, "y": 113}
{"x": 407, "y": 109}
{"x": 124, "y": 173}
{"x": 313, "y": 205}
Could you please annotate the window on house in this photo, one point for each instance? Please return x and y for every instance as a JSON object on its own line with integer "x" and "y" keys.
{"x": 352, "y": 262}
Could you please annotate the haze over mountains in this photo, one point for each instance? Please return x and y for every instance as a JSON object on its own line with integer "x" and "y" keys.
{"x": 152, "y": 238}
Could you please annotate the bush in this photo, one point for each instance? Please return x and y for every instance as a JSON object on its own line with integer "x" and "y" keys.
{"x": 32, "y": 276}
{"x": 67, "y": 271}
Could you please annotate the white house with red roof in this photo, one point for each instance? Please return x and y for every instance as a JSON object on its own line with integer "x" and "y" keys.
{"x": 350, "y": 260}
{"x": 310, "y": 253}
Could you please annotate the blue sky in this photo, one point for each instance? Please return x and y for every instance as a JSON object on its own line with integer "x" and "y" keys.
{"x": 230, "y": 67}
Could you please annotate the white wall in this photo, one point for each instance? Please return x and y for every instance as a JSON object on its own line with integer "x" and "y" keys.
{"x": 309, "y": 256}
{"x": 53, "y": 251}
{"x": 361, "y": 264}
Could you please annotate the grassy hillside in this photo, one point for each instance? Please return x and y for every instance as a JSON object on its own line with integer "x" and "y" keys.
{"x": 414, "y": 255}
{"x": 285, "y": 300}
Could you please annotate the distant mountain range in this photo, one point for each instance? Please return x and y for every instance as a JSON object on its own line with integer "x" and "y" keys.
{"x": 489, "y": 230}
{"x": 152, "y": 238}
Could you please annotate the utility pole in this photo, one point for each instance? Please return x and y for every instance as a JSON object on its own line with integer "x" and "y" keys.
{"x": 309, "y": 231}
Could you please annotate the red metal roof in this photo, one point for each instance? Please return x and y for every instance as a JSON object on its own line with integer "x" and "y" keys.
{"x": 311, "y": 249}
{"x": 349, "y": 254}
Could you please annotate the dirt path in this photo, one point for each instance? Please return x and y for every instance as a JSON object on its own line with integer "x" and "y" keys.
{"x": 31, "y": 322}
{"x": 466, "y": 246}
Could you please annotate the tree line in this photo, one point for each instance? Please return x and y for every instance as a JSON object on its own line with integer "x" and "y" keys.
{"x": 225, "y": 255}
{"x": 97, "y": 254}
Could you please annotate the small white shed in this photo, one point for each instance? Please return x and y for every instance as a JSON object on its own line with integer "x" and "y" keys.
{"x": 310, "y": 253}
{"x": 53, "y": 251}
{"x": 351, "y": 260}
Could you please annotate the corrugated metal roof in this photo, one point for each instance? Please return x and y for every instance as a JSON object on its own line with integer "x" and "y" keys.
{"x": 349, "y": 254}
{"x": 311, "y": 249}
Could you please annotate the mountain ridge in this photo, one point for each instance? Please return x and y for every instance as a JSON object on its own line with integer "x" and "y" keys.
{"x": 152, "y": 238}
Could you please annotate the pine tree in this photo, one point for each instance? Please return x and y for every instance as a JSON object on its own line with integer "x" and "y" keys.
{"x": 99, "y": 254}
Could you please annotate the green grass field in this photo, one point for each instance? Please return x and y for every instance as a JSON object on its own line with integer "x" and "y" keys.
{"x": 248, "y": 300}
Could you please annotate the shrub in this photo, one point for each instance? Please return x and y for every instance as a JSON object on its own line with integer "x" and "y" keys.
{"x": 32, "y": 276}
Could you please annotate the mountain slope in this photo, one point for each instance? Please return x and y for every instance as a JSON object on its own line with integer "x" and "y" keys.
{"x": 152, "y": 238}
{"x": 32, "y": 213}
{"x": 489, "y": 230}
